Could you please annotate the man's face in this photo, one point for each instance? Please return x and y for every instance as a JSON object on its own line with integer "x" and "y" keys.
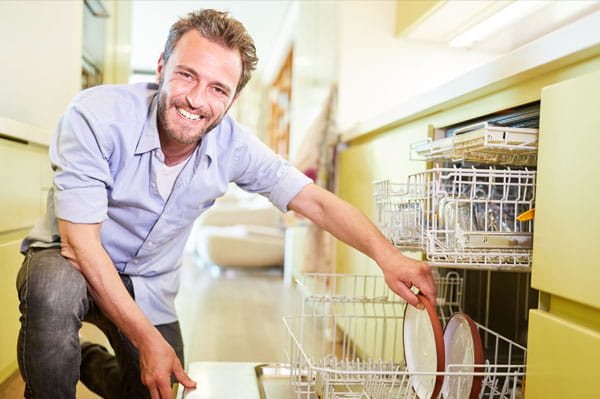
{"x": 196, "y": 87}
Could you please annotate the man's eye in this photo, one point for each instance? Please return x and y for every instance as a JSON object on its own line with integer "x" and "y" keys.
{"x": 185, "y": 75}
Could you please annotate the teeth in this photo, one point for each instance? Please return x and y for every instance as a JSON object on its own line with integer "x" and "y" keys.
{"x": 188, "y": 115}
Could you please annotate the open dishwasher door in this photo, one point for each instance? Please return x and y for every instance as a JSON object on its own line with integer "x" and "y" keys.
{"x": 240, "y": 380}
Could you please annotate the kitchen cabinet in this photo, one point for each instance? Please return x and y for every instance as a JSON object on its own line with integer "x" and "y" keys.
{"x": 29, "y": 111}
{"x": 564, "y": 333}
{"x": 21, "y": 177}
{"x": 10, "y": 261}
{"x": 568, "y": 190}
{"x": 562, "y": 358}
{"x": 25, "y": 178}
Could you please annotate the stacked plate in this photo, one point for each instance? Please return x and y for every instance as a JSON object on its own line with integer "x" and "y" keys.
{"x": 430, "y": 352}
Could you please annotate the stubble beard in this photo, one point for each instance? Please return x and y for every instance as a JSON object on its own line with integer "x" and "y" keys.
{"x": 176, "y": 134}
{"x": 171, "y": 132}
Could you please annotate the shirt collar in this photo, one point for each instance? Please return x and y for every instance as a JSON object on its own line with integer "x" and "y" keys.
{"x": 149, "y": 139}
{"x": 208, "y": 145}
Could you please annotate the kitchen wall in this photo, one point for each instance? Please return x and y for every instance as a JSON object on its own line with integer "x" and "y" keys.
{"x": 377, "y": 69}
{"x": 41, "y": 44}
{"x": 315, "y": 65}
{"x": 353, "y": 44}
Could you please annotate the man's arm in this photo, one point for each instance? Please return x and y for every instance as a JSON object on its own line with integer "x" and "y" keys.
{"x": 351, "y": 226}
{"x": 81, "y": 245}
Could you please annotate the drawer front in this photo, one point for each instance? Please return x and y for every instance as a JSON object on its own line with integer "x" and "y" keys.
{"x": 562, "y": 359}
{"x": 20, "y": 179}
{"x": 567, "y": 215}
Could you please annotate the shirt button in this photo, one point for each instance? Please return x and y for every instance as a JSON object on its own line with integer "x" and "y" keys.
{"x": 135, "y": 261}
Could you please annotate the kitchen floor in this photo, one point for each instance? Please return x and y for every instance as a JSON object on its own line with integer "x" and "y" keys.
{"x": 225, "y": 315}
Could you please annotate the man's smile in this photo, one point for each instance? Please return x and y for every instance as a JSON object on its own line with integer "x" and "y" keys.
{"x": 188, "y": 115}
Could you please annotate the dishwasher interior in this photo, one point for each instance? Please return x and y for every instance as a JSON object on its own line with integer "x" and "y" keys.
{"x": 471, "y": 214}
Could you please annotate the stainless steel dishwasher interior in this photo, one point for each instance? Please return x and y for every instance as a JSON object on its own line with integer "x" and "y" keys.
{"x": 274, "y": 381}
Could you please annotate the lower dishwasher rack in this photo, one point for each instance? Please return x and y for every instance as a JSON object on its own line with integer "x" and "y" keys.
{"x": 345, "y": 341}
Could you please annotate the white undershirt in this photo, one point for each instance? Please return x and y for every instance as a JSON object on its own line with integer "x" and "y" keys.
{"x": 166, "y": 176}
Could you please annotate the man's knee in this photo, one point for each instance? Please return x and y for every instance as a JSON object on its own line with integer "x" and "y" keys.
{"x": 52, "y": 286}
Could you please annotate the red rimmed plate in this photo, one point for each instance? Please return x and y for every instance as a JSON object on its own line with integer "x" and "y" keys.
{"x": 424, "y": 348}
{"x": 463, "y": 347}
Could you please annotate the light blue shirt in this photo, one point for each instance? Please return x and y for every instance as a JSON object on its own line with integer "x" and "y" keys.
{"x": 105, "y": 154}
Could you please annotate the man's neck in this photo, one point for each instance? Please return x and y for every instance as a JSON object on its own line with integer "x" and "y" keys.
{"x": 174, "y": 159}
{"x": 175, "y": 152}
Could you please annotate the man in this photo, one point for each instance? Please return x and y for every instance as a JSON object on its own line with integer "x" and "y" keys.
{"x": 134, "y": 167}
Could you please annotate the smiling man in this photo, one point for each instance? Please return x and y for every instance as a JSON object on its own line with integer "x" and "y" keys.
{"x": 197, "y": 87}
{"x": 135, "y": 165}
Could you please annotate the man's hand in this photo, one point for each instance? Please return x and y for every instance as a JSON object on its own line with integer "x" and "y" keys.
{"x": 158, "y": 362}
{"x": 402, "y": 273}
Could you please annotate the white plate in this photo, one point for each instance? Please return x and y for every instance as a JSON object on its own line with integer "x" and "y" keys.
{"x": 424, "y": 348}
{"x": 463, "y": 347}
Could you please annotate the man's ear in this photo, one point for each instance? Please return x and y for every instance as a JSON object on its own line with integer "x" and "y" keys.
{"x": 159, "y": 67}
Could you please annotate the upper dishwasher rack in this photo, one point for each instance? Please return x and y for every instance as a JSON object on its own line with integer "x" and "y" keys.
{"x": 461, "y": 217}
{"x": 482, "y": 143}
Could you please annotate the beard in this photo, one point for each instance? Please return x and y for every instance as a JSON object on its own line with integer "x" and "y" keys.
{"x": 181, "y": 135}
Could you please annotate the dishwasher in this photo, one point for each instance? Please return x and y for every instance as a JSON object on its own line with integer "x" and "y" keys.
{"x": 472, "y": 210}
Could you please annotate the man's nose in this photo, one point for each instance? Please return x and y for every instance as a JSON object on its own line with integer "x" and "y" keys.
{"x": 196, "y": 97}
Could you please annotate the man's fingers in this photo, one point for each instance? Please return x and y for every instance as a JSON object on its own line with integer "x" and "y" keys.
{"x": 430, "y": 295}
{"x": 164, "y": 387}
{"x": 183, "y": 378}
{"x": 408, "y": 295}
{"x": 431, "y": 298}
{"x": 428, "y": 290}
{"x": 153, "y": 393}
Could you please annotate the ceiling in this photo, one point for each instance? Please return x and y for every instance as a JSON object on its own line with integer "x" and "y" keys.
{"x": 151, "y": 20}
{"x": 267, "y": 22}
{"x": 447, "y": 20}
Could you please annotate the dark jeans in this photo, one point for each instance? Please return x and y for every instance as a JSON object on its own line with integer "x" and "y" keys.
{"x": 54, "y": 302}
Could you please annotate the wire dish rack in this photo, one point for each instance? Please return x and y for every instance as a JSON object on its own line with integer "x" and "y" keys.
{"x": 346, "y": 342}
{"x": 461, "y": 217}
{"x": 482, "y": 143}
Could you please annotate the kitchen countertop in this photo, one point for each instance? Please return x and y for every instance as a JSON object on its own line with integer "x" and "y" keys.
{"x": 11, "y": 128}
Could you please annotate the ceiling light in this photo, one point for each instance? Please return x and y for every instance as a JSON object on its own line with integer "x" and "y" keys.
{"x": 517, "y": 10}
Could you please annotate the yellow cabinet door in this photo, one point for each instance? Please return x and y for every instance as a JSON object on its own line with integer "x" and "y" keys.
{"x": 567, "y": 217}
{"x": 21, "y": 179}
{"x": 10, "y": 262}
{"x": 562, "y": 359}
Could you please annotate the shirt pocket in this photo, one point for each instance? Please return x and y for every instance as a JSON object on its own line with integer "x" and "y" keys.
{"x": 190, "y": 213}
{"x": 182, "y": 215}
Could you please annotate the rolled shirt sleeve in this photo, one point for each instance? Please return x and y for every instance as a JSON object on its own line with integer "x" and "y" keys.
{"x": 82, "y": 175}
{"x": 262, "y": 171}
